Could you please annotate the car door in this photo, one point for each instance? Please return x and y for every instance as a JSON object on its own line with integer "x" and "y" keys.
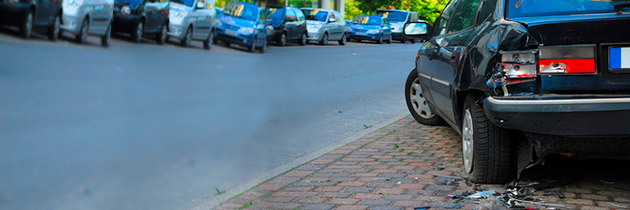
{"x": 340, "y": 25}
{"x": 451, "y": 49}
{"x": 202, "y": 19}
{"x": 333, "y": 32}
{"x": 301, "y": 23}
{"x": 387, "y": 29}
{"x": 290, "y": 23}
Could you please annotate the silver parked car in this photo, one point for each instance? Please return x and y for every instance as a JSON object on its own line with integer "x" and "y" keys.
{"x": 192, "y": 20}
{"x": 324, "y": 25}
{"x": 83, "y": 17}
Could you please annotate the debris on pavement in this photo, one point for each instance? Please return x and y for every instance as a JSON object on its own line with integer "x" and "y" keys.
{"x": 482, "y": 194}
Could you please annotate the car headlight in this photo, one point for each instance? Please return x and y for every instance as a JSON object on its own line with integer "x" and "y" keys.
{"x": 313, "y": 27}
{"x": 125, "y": 10}
{"x": 246, "y": 30}
{"x": 218, "y": 23}
{"x": 374, "y": 31}
{"x": 71, "y": 6}
{"x": 177, "y": 16}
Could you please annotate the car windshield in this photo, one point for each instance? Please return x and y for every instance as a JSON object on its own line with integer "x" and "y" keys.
{"x": 274, "y": 13}
{"x": 239, "y": 10}
{"x": 367, "y": 20}
{"x": 318, "y": 15}
{"x": 188, "y": 3}
{"x": 533, "y": 8}
{"x": 393, "y": 16}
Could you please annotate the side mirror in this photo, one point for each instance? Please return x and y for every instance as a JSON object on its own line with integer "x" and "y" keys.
{"x": 416, "y": 29}
{"x": 201, "y": 5}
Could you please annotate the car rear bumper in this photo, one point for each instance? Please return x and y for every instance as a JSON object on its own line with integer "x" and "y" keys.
{"x": 561, "y": 116}
{"x": 398, "y": 36}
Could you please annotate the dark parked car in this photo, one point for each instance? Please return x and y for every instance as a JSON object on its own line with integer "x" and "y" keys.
{"x": 140, "y": 18}
{"x": 288, "y": 24}
{"x": 397, "y": 19}
{"x": 521, "y": 80}
{"x": 243, "y": 24}
{"x": 32, "y": 15}
{"x": 369, "y": 27}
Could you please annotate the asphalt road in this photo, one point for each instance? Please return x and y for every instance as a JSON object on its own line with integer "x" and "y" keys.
{"x": 143, "y": 126}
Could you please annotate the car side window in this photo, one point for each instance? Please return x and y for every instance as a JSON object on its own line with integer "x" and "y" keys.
{"x": 442, "y": 22}
{"x": 291, "y": 16}
{"x": 300, "y": 15}
{"x": 463, "y": 16}
{"x": 332, "y": 16}
{"x": 338, "y": 17}
{"x": 488, "y": 7}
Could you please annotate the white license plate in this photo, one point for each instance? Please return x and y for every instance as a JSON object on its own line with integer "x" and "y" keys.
{"x": 361, "y": 34}
{"x": 619, "y": 58}
{"x": 231, "y": 33}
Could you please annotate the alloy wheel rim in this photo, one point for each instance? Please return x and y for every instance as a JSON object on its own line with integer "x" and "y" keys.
{"x": 325, "y": 38}
{"x": 283, "y": 40}
{"x": 188, "y": 37}
{"x": 467, "y": 141}
{"x": 163, "y": 35}
{"x": 418, "y": 101}
{"x": 139, "y": 31}
{"x": 84, "y": 31}
{"x": 56, "y": 27}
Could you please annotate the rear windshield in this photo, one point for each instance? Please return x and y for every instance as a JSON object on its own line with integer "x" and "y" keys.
{"x": 318, "y": 15}
{"x": 367, "y": 20}
{"x": 532, "y": 8}
{"x": 393, "y": 16}
{"x": 244, "y": 11}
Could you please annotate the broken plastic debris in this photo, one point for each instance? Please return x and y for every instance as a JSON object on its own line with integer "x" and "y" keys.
{"x": 380, "y": 179}
{"x": 453, "y": 207}
{"x": 422, "y": 208}
{"x": 482, "y": 194}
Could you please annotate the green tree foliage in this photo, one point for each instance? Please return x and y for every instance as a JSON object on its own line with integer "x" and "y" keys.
{"x": 351, "y": 9}
{"x": 428, "y": 10}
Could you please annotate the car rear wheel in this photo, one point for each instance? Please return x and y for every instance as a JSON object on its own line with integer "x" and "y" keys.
{"x": 27, "y": 26}
{"x": 185, "y": 42}
{"x": 302, "y": 40}
{"x": 324, "y": 39}
{"x": 486, "y": 148}
{"x": 207, "y": 44}
{"x": 53, "y": 30}
{"x": 282, "y": 40}
{"x": 416, "y": 102}
{"x": 136, "y": 36}
{"x": 161, "y": 36}
{"x": 343, "y": 40}
{"x": 81, "y": 37}
{"x": 107, "y": 36}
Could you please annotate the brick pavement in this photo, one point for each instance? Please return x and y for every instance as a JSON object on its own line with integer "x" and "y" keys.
{"x": 395, "y": 168}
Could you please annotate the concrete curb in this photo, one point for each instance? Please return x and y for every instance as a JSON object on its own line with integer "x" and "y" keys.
{"x": 210, "y": 202}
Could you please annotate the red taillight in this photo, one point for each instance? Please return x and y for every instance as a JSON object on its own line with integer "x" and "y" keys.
{"x": 567, "y": 66}
{"x": 574, "y": 59}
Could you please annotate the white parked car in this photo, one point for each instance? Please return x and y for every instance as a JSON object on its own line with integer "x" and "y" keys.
{"x": 83, "y": 17}
{"x": 192, "y": 20}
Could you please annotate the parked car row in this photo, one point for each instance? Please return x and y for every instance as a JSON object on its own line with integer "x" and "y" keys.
{"x": 238, "y": 23}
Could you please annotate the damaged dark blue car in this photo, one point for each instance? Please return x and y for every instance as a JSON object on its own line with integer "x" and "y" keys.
{"x": 523, "y": 79}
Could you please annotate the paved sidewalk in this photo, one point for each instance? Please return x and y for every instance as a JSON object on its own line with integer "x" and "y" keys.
{"x": 403, "y": 166}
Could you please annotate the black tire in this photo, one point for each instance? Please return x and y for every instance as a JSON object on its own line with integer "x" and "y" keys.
{"x": 105, "y": 39}
{"x": 417, "y": 104}
{"x": 26, "y": 28}
{"x": 81, "y": 37}
{"x": 404, "y": 39}
{"x": 53, "y": 30}
{"x": 380, "y": 40}
{"x": 343, "y": 40}
{"x": 413, "y": 40}
{"x": 324, "y": 39}
{"x": 161, "y": 37}
{"x": 389, "y": 41}
{"x": 207, "y": 44}
{"x": 136, "y": 35}
{"x": 185, "y": 42}
{"x": 492, "y": 160}
{"x": 302, "y": 40}
{"x": 282, "y": 40}
{"x": 252, "y": 48}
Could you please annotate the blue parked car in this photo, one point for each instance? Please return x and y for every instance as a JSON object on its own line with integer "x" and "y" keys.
{"x": 243, "y": 24}
{"x": 369, "y": 27}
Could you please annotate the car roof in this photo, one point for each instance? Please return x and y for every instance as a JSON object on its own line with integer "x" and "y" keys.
{"x": 244, "y": 3}
{"x": 310, "y": 8}
{"x": 392, "y": 10}
{"x": 278, "y": 6}
{"x": 375, "y": 16}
